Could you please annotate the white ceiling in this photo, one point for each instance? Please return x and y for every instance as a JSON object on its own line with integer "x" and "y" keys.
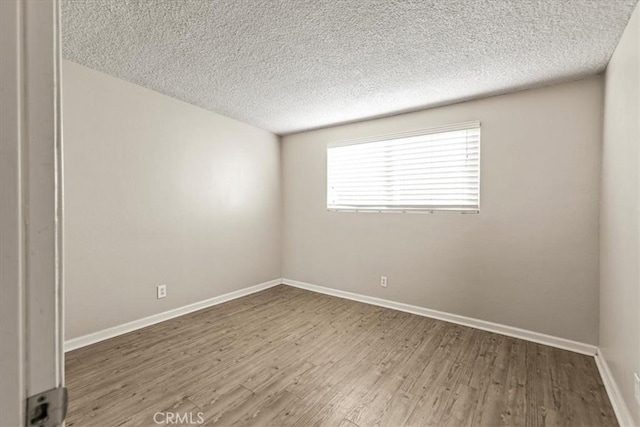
{"x": 291, "y": 65}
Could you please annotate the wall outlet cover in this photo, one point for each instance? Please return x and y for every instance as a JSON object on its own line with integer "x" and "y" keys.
{"x": 162, "y": 291}
{"x": 636, "y": 386}
{"x": 383, "y": 281}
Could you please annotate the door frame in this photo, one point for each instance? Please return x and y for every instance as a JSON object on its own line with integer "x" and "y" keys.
{"x": 31, "y": 303}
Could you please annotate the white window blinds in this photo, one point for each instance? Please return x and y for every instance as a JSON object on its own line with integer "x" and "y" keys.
{"x": 432, "y": 170}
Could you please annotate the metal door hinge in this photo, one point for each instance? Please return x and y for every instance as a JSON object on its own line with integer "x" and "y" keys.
{"x": 47, "y": 409}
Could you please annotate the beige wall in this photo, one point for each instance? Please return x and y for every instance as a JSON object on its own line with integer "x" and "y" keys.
{"x": 12, "y": 284}
{"x": 160, "y": 192}
{"x": 529, "y": 259}
{"x": 620, "y": 216}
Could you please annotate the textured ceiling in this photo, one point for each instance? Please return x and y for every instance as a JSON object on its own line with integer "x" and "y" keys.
{"x": 290, "y": 65}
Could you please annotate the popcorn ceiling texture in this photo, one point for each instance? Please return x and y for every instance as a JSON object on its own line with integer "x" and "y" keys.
{"x": 292, "y": 65}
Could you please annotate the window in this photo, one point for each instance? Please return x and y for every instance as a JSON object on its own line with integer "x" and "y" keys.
{"x": 427, "y": 170}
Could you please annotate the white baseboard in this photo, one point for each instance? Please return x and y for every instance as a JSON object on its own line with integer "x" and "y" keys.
{"x": 615, "y": 396}
{"x": 497, "y": 328}
{"x": 619, "y": 406}
{"x": 95, "y": 337}
{"x": 511, "y": 331}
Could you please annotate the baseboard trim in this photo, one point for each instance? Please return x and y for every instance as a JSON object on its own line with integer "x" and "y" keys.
{"x": 615, "y": 396}
{"x": 619, "y": 406}
{"x": 112, "y": 332}
{"x": 497, "y": 328}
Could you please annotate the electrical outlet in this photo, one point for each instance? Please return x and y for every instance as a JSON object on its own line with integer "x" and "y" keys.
{"x": 383, "y": 281}
{"x": 636, "y": 386}
{"x": 162, "y": 291}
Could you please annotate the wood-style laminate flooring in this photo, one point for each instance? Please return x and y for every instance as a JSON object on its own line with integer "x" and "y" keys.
{"x": 286, "y": 356}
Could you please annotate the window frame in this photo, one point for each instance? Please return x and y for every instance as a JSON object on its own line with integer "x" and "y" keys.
{"x": 397, "y": 135}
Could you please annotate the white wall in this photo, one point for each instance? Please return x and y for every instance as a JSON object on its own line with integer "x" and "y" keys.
{"x": 620, "y": 216}
{"x": 158, "y": 191}
{"x": 529, "y": 259}
{"x": 12, "y": 284}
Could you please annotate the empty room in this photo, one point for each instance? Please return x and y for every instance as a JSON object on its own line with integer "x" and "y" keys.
{"x": 320, "y": 212}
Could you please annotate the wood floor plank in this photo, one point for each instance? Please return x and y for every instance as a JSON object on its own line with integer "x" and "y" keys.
{"x": 219, "y": 403}
{"x": 461, "y": 407}
{"x": 290, "y": 357}
{"x": 434, "y": 389}
{"x": 396, "y": 411}
{"x": 266, "y": 411}
{"x": 247, "y": 411}
{"x": 516, "y": 383}
{"x": 392, "y": 373}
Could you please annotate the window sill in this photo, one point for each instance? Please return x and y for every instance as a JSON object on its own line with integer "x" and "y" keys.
{"x": 406, "y": 210}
